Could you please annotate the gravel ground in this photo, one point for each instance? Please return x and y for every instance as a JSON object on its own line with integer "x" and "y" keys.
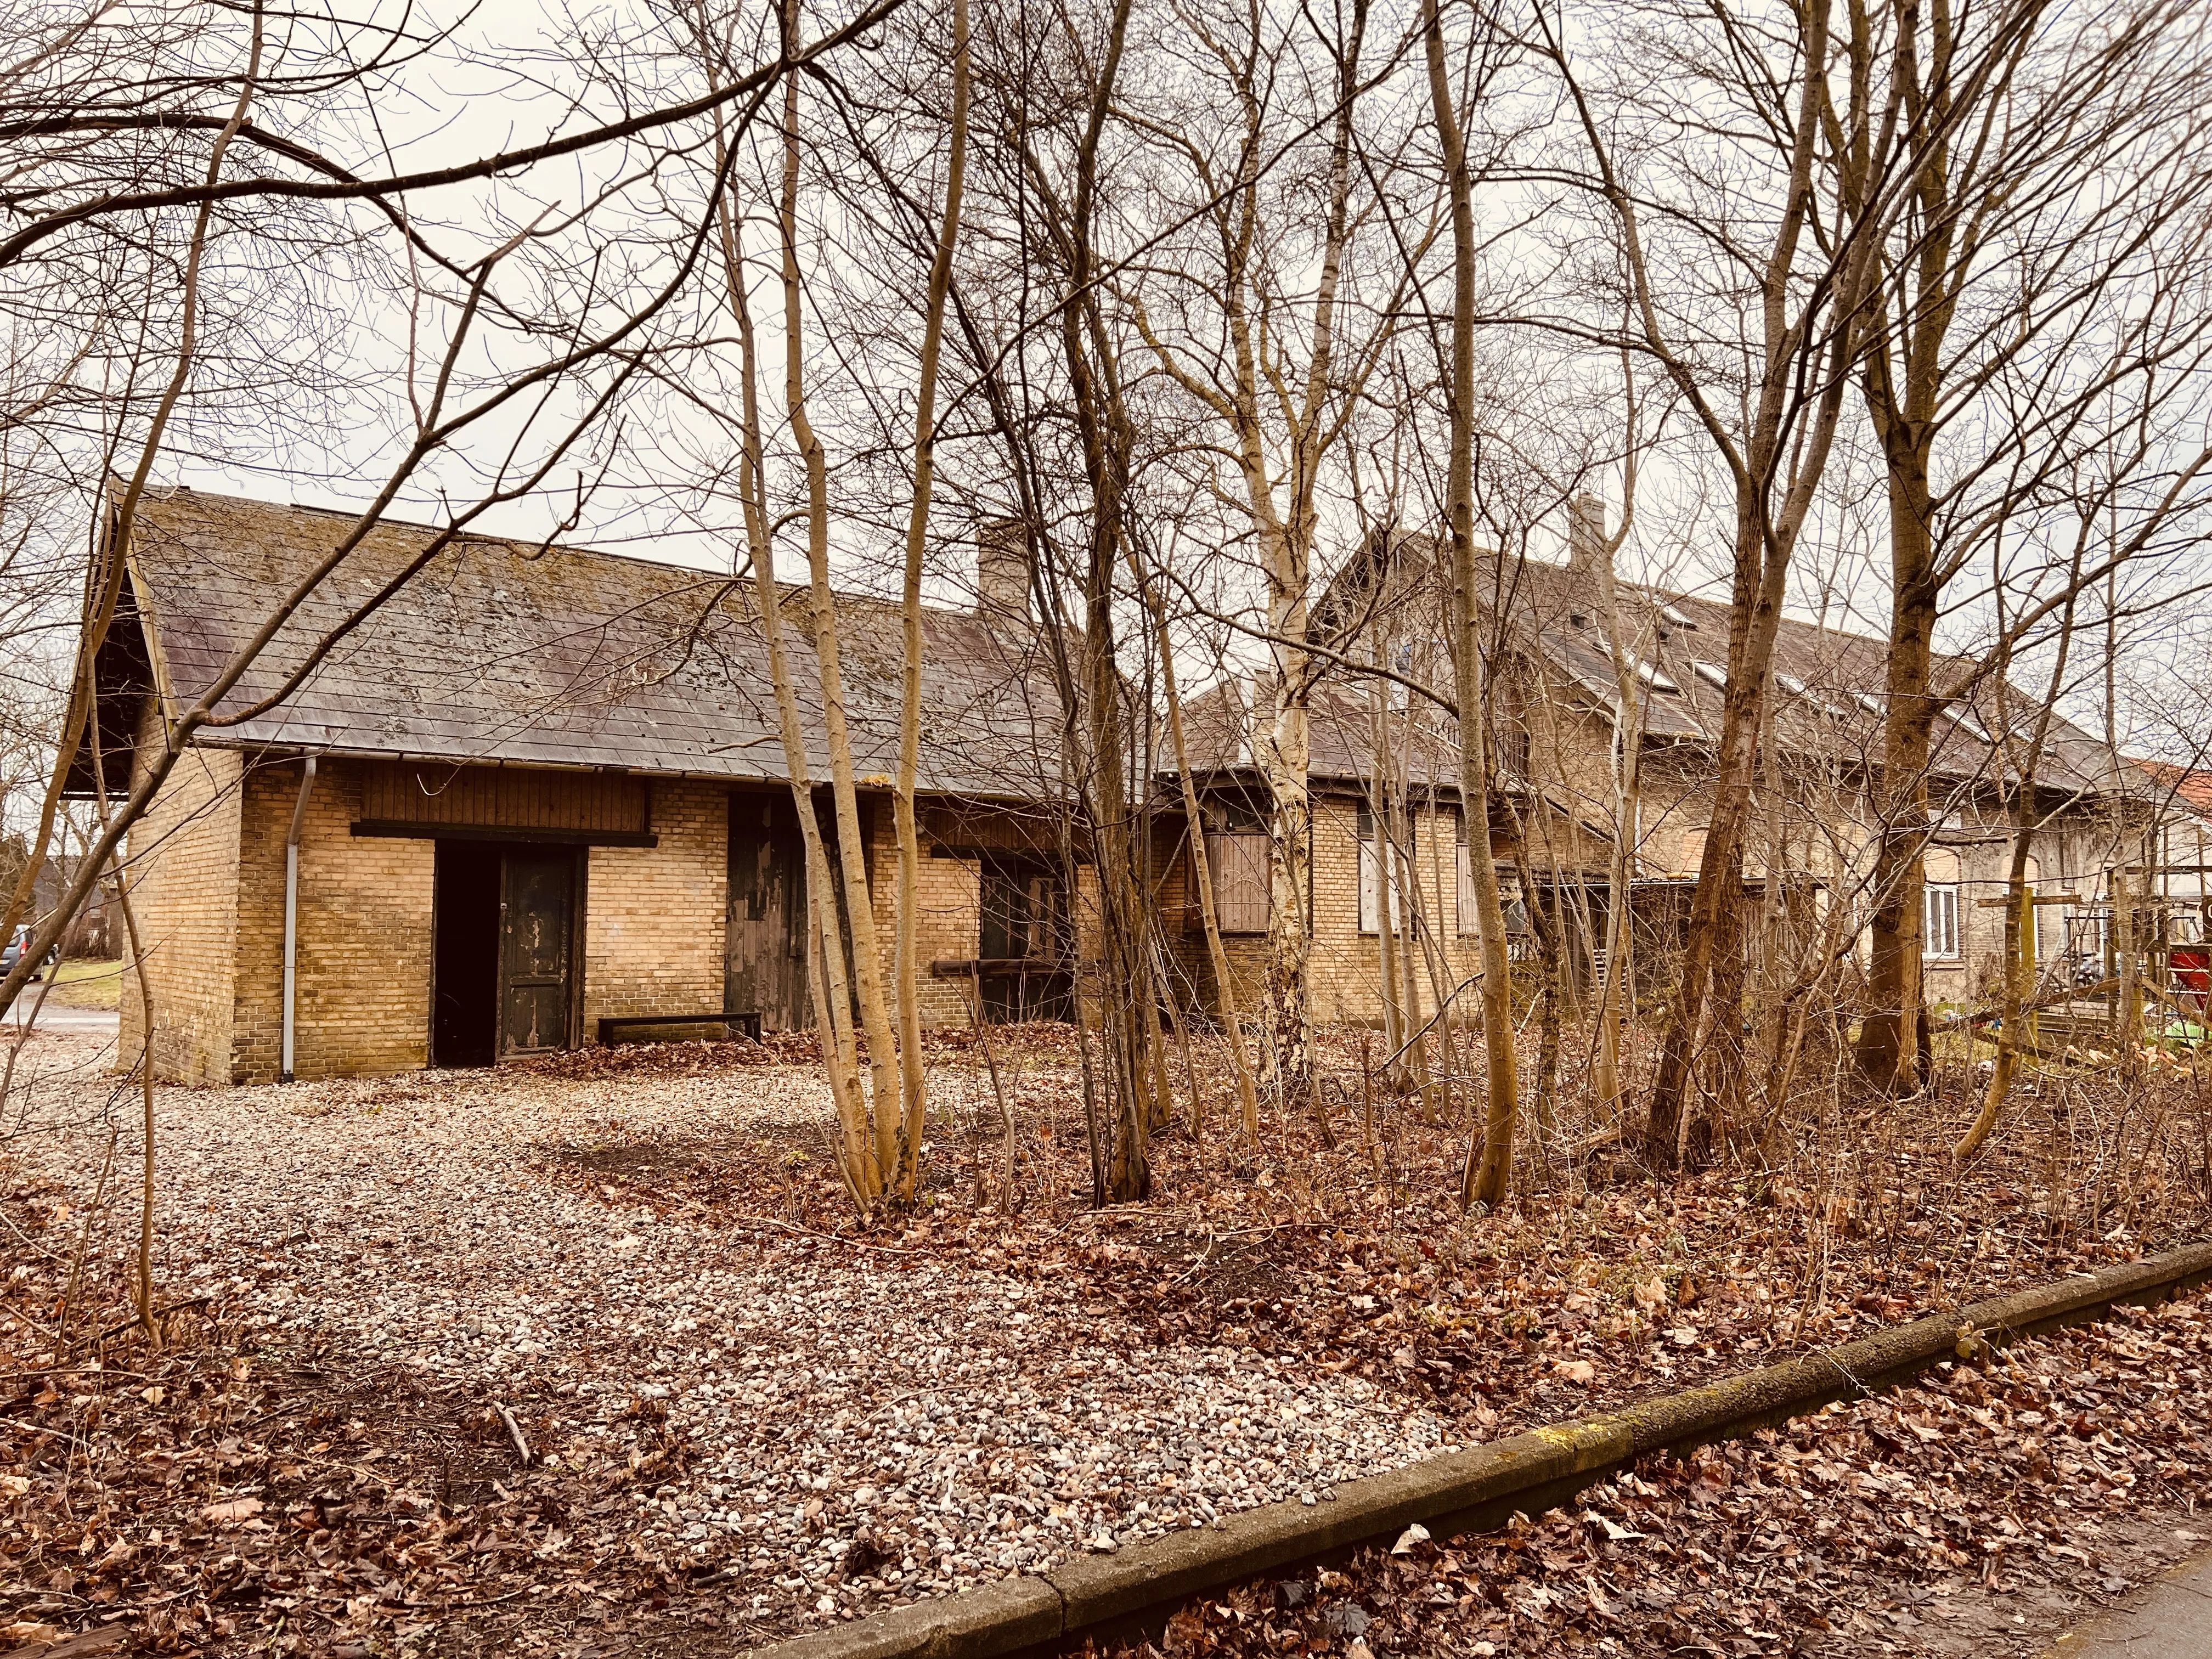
{"x": 966, "y": 1422}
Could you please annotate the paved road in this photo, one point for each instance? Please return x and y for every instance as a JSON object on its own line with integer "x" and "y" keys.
{"x": 95, "y": 1022}
{"x": 2169, "y": 1618}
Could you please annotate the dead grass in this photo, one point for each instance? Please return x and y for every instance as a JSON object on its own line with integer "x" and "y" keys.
{"x": 86, "y": 985}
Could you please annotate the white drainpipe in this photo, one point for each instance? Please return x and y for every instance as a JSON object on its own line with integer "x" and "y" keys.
{"x": 292, "y": 915}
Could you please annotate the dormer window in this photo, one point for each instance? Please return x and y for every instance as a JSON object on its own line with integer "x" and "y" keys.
{"x": 1822, "y": 701}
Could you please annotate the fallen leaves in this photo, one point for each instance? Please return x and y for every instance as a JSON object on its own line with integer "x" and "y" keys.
{"x": 391, "y": 1496}
{"x": 1922, "y": 1522}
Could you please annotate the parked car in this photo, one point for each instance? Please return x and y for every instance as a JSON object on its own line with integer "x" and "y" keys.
{"x": 12, "y": 952}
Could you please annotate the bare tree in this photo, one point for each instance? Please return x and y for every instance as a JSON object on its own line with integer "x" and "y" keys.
{"x": 1748, "y": 305}
{"x": 1269, "y": 362}
{"x": 2001, "y": 258}
{"x": 1489, "y": 1169}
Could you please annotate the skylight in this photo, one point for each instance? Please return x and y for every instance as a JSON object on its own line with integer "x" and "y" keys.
{"x": 1790, "y": 683}
{"x": 1965, "y": 718}
{"x": 1871, "y": 703}
{"x": 1711, "y": 673}
{"x": 1655, "y": 676}
{"x": 1674, "y": 614}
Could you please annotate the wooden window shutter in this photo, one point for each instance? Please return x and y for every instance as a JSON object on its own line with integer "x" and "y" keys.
{"x": 1239, "y": 865}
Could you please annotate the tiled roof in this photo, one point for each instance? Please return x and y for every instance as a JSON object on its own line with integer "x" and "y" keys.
{"x": 1829, "y": 681}
{"x": 504, "y": 651}
{"x": 2191, "y": 786}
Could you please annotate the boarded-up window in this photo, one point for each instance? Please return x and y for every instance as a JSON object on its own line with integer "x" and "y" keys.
{"x": 1467, "y": 905}
{"x": 1379, "y": 878}
{"x": 1239, "y": 865}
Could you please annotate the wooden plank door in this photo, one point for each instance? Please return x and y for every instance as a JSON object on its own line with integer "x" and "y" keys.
{"x": 764, "y": 963}
{"x": 538, "y": 930}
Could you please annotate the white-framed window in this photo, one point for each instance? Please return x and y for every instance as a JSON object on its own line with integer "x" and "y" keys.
{"x": 1939, "y": 920}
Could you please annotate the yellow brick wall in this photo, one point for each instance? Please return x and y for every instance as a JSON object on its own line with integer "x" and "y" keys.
{"x": 183, "y": 867}
{"x": 655, "y": 917}
{"x": 364, "y": 934}
{"x": 1344, "y": 972}
{"x": 1344, "y": 976}
{"x": 949, "y": 892}
{"x": 211, "y": 897}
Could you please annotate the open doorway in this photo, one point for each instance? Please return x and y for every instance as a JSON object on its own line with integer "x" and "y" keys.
{"x": 505, "y": 918}
{"x": 465, "y": 974}
{"x": 1024, "y": 944}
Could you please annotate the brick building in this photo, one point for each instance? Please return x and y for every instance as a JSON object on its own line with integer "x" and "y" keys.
{"x": 1388, "y": 827}
{"x": 533, "y": 788}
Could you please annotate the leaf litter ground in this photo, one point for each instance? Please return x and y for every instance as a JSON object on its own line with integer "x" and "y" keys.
{"x": 746, "y": 1417}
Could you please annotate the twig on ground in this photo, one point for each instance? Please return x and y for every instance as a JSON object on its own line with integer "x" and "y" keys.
{"x": 521, "y": 1446}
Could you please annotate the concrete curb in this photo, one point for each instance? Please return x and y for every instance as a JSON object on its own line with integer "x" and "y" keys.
{"x": 1097, "y": 1597}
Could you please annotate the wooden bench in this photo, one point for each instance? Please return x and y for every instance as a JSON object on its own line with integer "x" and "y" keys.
{"x": 734, "y": 1019}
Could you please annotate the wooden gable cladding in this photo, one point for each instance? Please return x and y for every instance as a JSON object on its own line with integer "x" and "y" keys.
{"x": 970, "y": 831}
{"x": 504, "y": 803}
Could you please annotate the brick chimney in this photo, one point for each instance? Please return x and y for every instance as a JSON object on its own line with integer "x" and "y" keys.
{"x": 1002, "y": 570}
{"x": 1585, "y": 532}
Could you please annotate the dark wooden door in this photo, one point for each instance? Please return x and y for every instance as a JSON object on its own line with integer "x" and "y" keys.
{"x": 538, "y": 930}
{"x": 764, "y": 964}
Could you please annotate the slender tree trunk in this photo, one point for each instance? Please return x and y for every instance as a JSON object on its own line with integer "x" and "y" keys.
{"x": 896, "y": 1150}
{"x": 1489, "y": 1173}
{"x": 1201, "y": 871}
{"x": 908, "y": 967}
{"x": 1613, "y": 1007}
{"x": 145, "y": 1286}
{"x": 1109, "y": 441}
{"x": 136, "y": 971}
{"x": 1755, "y": 619}
{"x": 1287, "y": 760}
{"x": 1894, "y": 1033}
{"x": 2019, "y": 978}
{"x": 866, "y": 1177}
